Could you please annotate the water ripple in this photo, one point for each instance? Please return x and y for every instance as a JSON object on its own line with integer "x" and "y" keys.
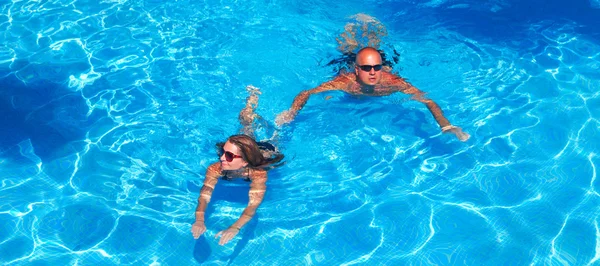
{"x": 133, "y": 95}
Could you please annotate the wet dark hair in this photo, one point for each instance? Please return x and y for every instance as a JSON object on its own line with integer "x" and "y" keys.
{"x": 252, "y": 154}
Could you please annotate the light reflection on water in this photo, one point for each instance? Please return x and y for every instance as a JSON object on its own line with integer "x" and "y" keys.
{"x": 112, "y": 111}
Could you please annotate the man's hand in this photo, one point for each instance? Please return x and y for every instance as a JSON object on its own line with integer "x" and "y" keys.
{"x": 462, "y": 136}
{"x": 198, "y": 228}
{"x": 284, "y": 118}
{"x": 227, "y": 235}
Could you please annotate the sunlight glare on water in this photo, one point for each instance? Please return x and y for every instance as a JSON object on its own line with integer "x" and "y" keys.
{"x": 112, "y": 109}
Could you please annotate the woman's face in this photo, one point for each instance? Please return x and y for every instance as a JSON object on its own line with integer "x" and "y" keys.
{"x": 232, "y": 152}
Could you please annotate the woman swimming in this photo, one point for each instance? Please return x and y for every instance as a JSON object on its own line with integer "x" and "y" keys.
{"x": 240, "y": 157}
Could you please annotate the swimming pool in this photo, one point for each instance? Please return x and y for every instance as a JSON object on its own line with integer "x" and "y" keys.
{"x": 111, "y": 110}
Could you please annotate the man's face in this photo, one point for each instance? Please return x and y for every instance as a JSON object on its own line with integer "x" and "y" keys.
{"x": 368, "y": 75}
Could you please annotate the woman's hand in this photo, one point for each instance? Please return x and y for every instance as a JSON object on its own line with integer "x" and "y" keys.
{"x": 198, "y": 228}
{"x": 227, "y": 235}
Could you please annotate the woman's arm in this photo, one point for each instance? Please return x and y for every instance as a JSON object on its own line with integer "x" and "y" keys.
{"x": 258, "y": 187}
{"x": 212, "y": 177}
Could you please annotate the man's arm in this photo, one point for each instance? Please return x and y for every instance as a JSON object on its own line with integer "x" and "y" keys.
{"x": 339, "y": 83}
{"x": 399, "y": 84}
{"x": 433, "y": 107}
{"x": 212, "y": 177}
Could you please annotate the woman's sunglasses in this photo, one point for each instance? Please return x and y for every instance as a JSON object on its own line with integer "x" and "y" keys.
{"x": 229, "y": 156}
{"x": 367, "y": 68}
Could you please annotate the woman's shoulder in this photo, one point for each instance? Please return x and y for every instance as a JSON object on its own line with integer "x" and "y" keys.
{"x": 258, "y": 174}
{"x": 215, "y": 168}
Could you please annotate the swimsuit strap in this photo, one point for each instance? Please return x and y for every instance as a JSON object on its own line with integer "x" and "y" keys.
{"x": 263, "y": 145}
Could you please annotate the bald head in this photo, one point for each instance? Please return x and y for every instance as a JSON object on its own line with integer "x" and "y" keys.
{"x": 368, "y": 66}
{"x": 367, "y": 53}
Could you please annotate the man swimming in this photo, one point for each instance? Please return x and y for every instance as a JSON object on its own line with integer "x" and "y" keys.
{"x": 369, "y": 79}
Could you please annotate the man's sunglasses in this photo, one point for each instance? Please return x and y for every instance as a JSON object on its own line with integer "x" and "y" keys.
{"x": 367, "y": 68}
{"x": 229, "y": 156}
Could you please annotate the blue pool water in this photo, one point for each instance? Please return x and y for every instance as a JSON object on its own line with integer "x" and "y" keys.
{"x": 110, "y": 111}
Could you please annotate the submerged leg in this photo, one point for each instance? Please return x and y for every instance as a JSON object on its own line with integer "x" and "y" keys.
{"x": 247, "y": 115}
{"x": 251, "y": 122}
{"x": 362, "y": 32}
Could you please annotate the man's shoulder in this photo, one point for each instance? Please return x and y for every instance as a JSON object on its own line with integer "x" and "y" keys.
{"x": 389, "y": 78}
{"x": 349, "y": 76}
{"x": 390, "y": 74}
{"x": 340, "y": 82}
